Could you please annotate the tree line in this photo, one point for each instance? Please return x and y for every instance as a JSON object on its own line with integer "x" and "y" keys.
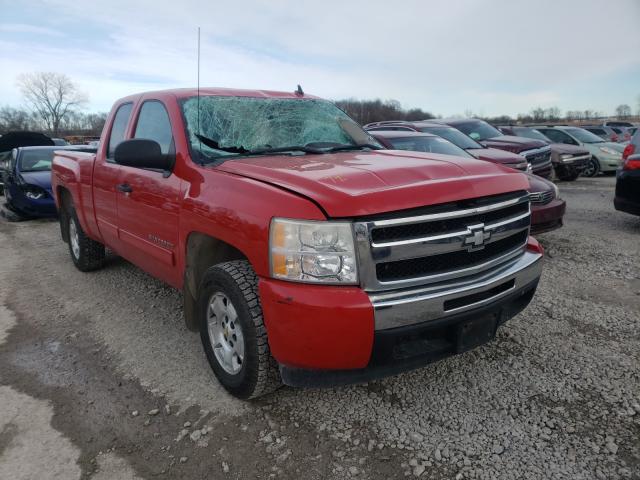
{"x": 55, "y": 107}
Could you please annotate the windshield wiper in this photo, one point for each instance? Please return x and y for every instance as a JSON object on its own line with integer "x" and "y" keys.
{"x": 344, "y": 148}
{"x": 216, "y": 146}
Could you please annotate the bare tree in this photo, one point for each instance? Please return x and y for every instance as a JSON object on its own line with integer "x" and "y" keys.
{"x": 623, "y": 111}
{"x": 52, "y": 95}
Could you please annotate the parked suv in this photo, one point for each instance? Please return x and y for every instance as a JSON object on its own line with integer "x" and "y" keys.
{"x": 459, "y": 139}
{"x": 568, "y": 160}
{"x": 605, "y": 156}
{"x": 537, "y": 152}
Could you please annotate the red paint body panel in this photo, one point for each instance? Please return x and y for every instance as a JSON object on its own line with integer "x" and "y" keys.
{"x": 317, "y": 326}
{"x": 365, "y": 183}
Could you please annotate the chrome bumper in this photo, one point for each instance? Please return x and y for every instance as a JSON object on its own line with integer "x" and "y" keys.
{"x": 400, "y": 308}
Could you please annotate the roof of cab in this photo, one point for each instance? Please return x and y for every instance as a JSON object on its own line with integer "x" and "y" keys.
{"x": 181, "y": 93}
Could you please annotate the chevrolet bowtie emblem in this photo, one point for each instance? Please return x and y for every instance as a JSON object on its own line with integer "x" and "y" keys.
{"x": 475, "y": 237}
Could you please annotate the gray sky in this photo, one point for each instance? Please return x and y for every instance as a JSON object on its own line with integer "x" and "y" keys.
{"x": 491, "y": 57}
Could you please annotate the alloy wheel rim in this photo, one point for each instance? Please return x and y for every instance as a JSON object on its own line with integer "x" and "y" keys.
{"x": 591, "y": 168}
{"x": 73, "y": 238}
{"x": 225, "y": 333}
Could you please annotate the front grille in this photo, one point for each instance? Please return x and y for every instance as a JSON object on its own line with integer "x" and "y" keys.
{"x": 540, "y": 198}
{"x": 416, "y": 230}
{"x": 441, "y": 242}
{"x": 538, "y": 158}
{"x": 437, "y": 264}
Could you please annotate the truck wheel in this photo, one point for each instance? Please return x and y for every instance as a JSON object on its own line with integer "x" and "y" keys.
{"x": 233, "y": 332}
{"x": 86, "y": 254}
{"x": 593, "y": 167}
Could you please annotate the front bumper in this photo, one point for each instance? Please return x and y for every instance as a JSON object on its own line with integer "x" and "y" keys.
{"x": 18, "y": 202}
{"x": 328, "y": 335}
{"x": 609, "y": 163}
{"x": 545, "y": 218}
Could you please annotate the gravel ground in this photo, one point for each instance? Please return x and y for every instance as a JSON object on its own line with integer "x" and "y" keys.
{"x": 130, "y": 395}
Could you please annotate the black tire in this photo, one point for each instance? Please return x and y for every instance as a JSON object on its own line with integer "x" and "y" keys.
{"x": 592, "y": 168}
{"x": 89, "y": 254}
{"x": 258, "y": 373}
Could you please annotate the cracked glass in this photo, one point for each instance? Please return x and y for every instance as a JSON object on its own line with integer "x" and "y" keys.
{"x": 245, "y": 124}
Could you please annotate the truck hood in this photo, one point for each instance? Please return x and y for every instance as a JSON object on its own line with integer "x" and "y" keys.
{"x": 350, "y": 184}
{"x": 41, "y": 179}
{"x": 563, "y": 148}
{"x": 497, "y": 156}
{"x": 513, "y": 144}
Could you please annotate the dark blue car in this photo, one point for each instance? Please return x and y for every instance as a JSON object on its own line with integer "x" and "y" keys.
{"x": 27, "y": 180}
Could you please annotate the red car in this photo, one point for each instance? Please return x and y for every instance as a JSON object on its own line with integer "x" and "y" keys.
{"x": 537, "y": 152}
{"x": 547, "y": 208}
{"x": 456, "y": 137}
{"x": 307, "y": 254}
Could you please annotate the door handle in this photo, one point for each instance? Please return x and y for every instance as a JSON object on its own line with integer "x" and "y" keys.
{"x": 124, "y": 188}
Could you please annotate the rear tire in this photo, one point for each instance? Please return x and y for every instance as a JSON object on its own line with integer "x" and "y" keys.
{"x": 593, "y": 167}
{"x": 232, "y": 330}
{"x": 87, "y": 254}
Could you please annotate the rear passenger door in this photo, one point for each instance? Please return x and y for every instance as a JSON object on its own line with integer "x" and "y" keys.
{"x": 149, "y": 200}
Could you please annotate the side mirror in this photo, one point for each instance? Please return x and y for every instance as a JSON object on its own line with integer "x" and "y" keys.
{"x": 142, "y": 153}
{"x": 569, "y": 141}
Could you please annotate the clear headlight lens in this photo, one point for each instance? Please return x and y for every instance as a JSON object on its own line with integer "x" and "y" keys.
{"x": 310, "y": 251}
{"x": 566, "y": 156}
{"x": 608, "y": 150}
{"x": 33, "y": 192}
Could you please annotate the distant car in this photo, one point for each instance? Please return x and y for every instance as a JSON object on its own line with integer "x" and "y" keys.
{"x": 605, "y": 156}
{"x": 60, "y": 142}
{"x": 547, "y": 208}
{"x": 617, "y": 123}
{"x": 603, "y": 131}
{"x": 27, "y": 178}
{"x": 627, "y": 197}
{"x": 537, "y": 152}
{"x": 459, "y": 139}
{"x": 15, "y": 139}
{"x": 568, "y": 160}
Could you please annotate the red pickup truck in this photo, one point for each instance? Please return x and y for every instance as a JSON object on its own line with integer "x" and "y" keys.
{"x": 306, "y": 255}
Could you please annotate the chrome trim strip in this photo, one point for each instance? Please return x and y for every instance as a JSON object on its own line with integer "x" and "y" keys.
{"x": 408, "y": 307}
{"x": 535, "y": 151}
{"x": 575, "y": 159}
{"x": 452, "y": 214}
{"x": 460, "y": 233}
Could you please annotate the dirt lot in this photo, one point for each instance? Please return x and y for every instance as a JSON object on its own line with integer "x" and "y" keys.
{"x": 100, "y": 379}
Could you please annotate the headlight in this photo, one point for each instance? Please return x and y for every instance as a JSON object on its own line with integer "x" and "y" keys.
{"x": 310, "y": 251}
{"x": 566, "y": 156}
{"x": 33, "y": 192}
{"x": 608, "y": 150}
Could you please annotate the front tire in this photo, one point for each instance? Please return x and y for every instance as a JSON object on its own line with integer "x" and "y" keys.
{"x": 232, "y": 330}
{"x": 593, "y": 168}
{"x": 87, "y": 254}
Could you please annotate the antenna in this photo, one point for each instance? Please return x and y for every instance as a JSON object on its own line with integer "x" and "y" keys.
{"x": 198, "y": 89}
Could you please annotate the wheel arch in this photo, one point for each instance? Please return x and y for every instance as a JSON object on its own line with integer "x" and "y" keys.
{"x": 201, "y": 252}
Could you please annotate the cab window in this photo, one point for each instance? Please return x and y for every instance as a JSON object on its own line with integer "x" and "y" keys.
{"x": 153, "y": 124}
{"x": 118, "y": 128}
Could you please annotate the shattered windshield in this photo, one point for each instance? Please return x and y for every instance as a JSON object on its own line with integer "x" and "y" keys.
{"x": 232, "y": 126}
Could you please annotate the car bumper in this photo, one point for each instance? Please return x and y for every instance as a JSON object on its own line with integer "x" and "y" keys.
{"x": 609, "y": 164}
{"x": 543, "y": 170}
{"x": 324, "y": 335}
{"x": 568, "y": 165}
{"x": 627, "y": 198}
{"x": 545, "y": 218}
